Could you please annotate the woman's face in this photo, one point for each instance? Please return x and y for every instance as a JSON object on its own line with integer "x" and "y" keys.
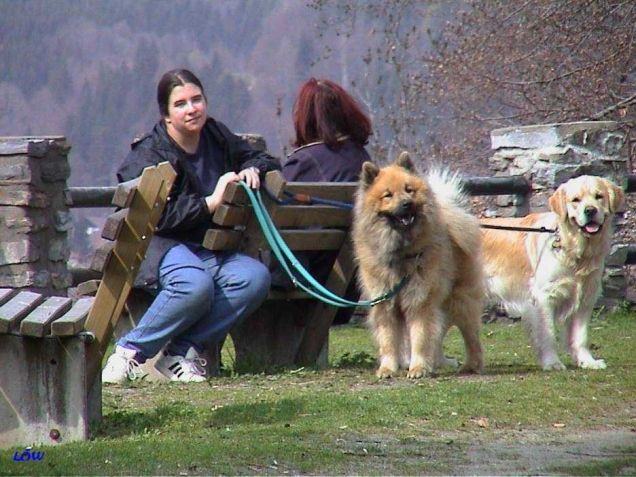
{"x": 187, "y": 110}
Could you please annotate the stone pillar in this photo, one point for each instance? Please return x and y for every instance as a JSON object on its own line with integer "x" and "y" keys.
{"x": 34, "y": 220}
{"x": 548, "y": 155}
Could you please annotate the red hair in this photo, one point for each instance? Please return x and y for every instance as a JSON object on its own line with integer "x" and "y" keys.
{"x": 323, "y": 111}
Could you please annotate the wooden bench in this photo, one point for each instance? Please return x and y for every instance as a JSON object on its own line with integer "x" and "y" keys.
{"x": 290, "y": 328}
{"x": 51, "y": 348}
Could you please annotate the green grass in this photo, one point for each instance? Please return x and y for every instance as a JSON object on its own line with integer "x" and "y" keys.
{"x": 343, "y": 420}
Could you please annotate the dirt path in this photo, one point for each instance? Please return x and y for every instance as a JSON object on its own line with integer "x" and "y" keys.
{"x": 528, "y": 453}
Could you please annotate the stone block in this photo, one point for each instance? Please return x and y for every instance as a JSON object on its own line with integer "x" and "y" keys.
{"x": 617, "y": 255}
{"x": 42, "y": 146}
{"x": 563, "y": 173}
{"x": 503, "y": 200}
{"x": 15, "y": 170}
{"x": 15, "y": 221}
{"x": 63, "y": 221}
{"x": 54, "y": 170}
{"x": 23, "y": 251}
{"x": 23, "y": 276}
{"x": 525, "y": 162}
{"x": 59, "y": 250}
{"x": 23, "y": 195}
{"x": 62, "y": 280}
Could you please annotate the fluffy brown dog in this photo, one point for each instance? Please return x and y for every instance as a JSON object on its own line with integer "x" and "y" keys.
{"x": 555, "y": 278}
{"x": 408, "y": 226}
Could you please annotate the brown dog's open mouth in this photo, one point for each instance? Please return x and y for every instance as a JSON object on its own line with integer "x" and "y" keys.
{"x": 402, "y": 221}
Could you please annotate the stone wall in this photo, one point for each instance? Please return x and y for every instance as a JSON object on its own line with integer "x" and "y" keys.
{"x": 34, "y": 221}
{"x": 548, "y": 155}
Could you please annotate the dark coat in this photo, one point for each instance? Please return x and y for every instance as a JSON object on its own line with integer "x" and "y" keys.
{"x": 185, "y": 217}
{"x": 317, "y": 163}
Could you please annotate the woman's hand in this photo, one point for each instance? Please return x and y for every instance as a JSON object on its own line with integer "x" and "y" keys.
{"x": 250, "y": 176}
{"x": 215, "y": 198}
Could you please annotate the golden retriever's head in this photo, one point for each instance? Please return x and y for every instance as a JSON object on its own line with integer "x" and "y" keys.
{"x": 396, "y": 194}
{"x": 586, "y": 203}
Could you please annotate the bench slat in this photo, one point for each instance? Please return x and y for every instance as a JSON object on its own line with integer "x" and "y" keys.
{"x": 310, "y": 215}
{"x": 6, "y": 294}
{"x": 342, "y": 191}
{"x": 301, "y": 240}
{"x": 328, "y": 239}
{"x": 228, "y": 215}
{"x": 12, "y": 312}
{"x": 72, "y": 322}
{"x": 235, "y": 194}
{"x": 218, "y": 239}
{"x": 113, "y": 224}
{"x": 101, "y": 257}
{"x": 86, "y": 288}
{"x": 287, "y": 216}
{"x": 38, "y": 322}
{"x": 125, "y": 192}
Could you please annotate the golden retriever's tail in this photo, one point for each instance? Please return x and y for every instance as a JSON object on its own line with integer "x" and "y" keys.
{"x": 453, "y": 200}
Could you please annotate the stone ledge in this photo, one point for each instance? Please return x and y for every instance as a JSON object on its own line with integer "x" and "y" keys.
{"x": 35, "y": 146}
{"x": 545, "y": 135}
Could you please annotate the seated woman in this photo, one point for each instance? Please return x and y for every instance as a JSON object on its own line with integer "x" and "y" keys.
{"x": 331, "y": 132}
{"x": 200, "y": 294}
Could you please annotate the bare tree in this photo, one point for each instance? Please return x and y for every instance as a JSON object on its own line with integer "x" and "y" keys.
{"x": 442, "y": 88}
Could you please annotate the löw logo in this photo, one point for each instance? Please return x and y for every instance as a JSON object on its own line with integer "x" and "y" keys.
{"x": 27, "y": 454}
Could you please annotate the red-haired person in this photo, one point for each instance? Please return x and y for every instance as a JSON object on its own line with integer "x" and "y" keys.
{"x": 331, "y": 132}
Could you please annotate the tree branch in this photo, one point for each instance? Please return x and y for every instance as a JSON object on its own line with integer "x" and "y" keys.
{"x": 626, "y": 101}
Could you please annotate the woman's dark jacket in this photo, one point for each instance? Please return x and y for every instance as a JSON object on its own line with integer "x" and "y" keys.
{"x": 316, "y": 162}
{"x": 186, "y": 216}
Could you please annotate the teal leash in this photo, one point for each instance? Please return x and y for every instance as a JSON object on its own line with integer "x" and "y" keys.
{"x": 286, "y": 258}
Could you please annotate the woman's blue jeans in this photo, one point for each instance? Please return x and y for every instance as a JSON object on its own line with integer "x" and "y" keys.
{"x": 201, "y": 295}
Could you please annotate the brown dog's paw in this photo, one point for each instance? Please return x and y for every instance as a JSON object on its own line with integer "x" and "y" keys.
{"x": 384, "y": 373}
{"x": 418, "y": 372}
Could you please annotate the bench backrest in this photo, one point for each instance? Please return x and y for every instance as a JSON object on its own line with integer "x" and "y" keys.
{"x": 141, "y": 202}
{"x": 304, "y": 227}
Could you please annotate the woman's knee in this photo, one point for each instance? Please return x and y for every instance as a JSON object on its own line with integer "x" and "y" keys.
{"x": 194, "y": 285}
{"x": 260, "y": 280}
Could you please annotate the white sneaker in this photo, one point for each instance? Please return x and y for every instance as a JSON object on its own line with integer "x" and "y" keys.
{"x": 187, "y": 369}
{"x": 122, "y": 366}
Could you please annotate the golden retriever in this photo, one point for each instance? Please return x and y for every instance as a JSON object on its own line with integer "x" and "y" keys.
{"x": 554, "y": 278}
{"x": 405, "y": 225}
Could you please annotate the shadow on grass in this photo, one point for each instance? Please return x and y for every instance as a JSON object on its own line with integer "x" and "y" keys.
{"x": 129, "y": 423}
{"x": 285, "y": 410}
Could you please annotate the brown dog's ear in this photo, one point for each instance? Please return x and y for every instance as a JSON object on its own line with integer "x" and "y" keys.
{"x": 405, "y": 162}
{"x": 369, "y": 173}
{"x": 557, "y": 203}
{"x": 615, "y": 195}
